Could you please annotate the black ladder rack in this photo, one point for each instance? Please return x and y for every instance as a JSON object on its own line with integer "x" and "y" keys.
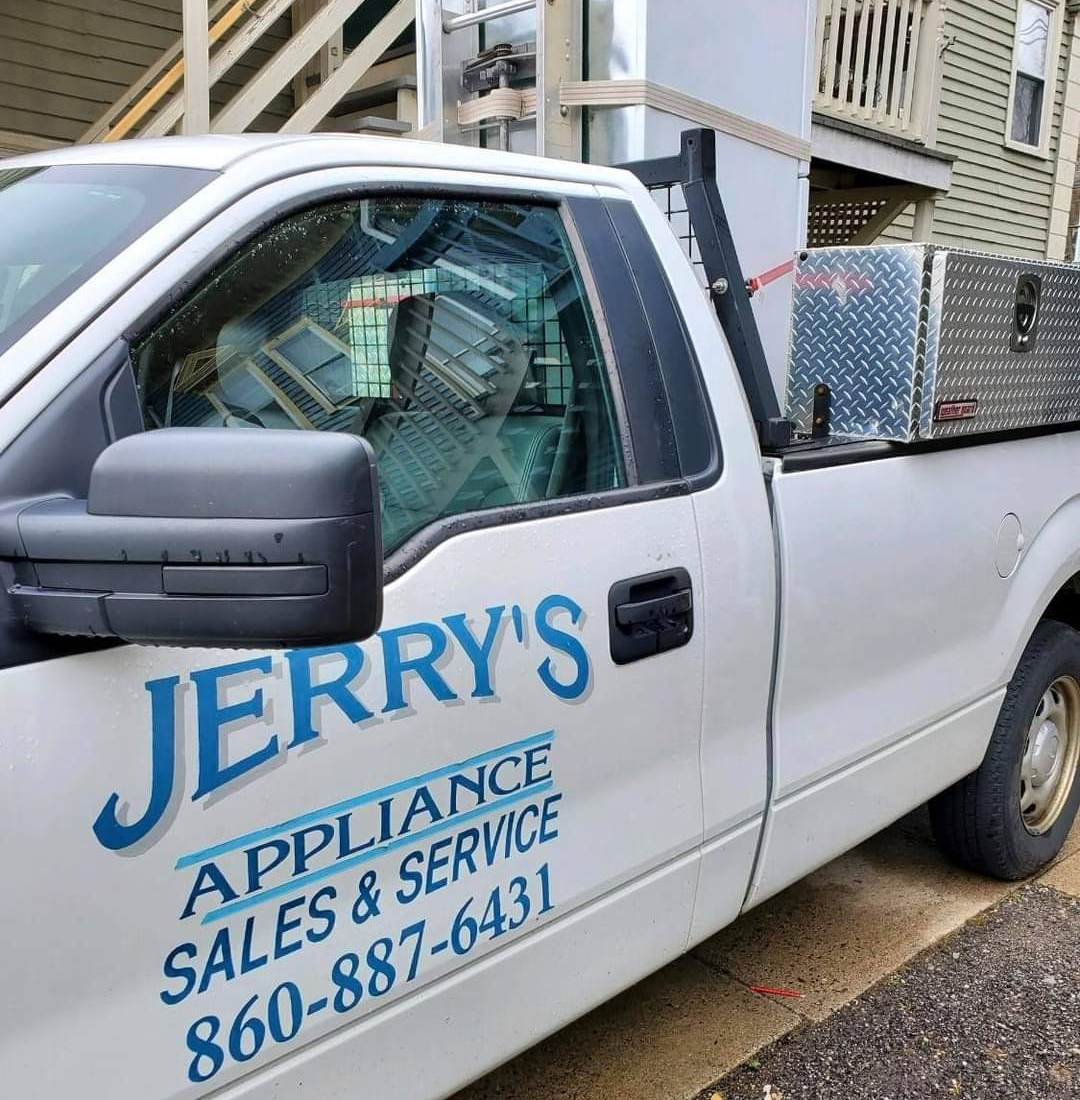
{"x": 694, "y": 170}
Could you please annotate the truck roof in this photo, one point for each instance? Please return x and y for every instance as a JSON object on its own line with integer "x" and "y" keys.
{"x": 269, "y": 152}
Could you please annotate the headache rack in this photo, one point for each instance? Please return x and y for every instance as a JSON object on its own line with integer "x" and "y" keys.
{"x": 906, "y": 344}
{"x": 687, "y": 190}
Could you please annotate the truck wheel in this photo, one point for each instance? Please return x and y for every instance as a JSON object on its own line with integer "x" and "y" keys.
{"x": 1011, "y": 816}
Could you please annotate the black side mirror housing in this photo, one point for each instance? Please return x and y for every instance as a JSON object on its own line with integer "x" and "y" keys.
{"x": 209, "y": 537}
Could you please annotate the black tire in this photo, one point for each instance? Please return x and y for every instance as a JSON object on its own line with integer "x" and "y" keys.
{"x": 977, "y": 822}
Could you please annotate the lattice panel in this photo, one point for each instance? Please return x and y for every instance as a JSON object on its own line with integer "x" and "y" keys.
{"x": 836, "y": 223}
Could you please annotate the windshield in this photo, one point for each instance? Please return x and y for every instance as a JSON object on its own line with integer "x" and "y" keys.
{"x": 60, "y": 224}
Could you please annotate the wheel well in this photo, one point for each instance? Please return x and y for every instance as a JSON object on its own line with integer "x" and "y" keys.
{"x": 1065, "y": 606}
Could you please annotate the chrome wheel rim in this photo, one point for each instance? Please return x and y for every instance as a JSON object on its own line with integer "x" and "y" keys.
{"x": 1051, "y": 754}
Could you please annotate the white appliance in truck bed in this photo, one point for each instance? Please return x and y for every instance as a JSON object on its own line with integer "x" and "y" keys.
{"x": 751, "y": 84}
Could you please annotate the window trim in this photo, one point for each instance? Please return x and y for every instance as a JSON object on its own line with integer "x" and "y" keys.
{"x": 594, "y": 296}
{"x": 1055, "y": 10}
{"x": 422, "y": 542}
{"x": 634, "y": 353}
{"x": 686, "y": 390}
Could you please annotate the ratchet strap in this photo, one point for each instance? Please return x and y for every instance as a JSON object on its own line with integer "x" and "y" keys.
{"x": 499, "y": 103}
{"x": 770, "y": 276}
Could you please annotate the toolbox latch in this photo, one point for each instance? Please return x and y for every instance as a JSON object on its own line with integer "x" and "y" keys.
{"x": 1025, "y": 328}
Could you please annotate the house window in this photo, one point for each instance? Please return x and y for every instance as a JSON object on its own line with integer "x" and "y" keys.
{"x": 1033, "y": 62}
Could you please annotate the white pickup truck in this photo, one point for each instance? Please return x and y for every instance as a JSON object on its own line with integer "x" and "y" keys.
{"x": 352, "y": 760}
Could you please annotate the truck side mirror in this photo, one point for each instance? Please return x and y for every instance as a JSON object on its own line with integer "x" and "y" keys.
{"x": 207, "y": 537}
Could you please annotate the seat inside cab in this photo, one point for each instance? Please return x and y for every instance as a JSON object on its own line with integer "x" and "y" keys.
{"x": 465, "y": 424}
{"x": 461, "y": 412}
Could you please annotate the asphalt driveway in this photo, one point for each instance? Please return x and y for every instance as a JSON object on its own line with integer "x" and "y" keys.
{"x": 849, "y": 928}
{"x": 991, "y": 1012}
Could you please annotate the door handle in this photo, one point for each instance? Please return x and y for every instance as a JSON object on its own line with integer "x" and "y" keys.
{"x": 660, "y": 607}
{"x": 650, "y": 614}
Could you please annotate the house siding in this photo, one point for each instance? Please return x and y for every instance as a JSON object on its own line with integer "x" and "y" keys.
{"x": 1000, "y": 199}
{"x": 1074, "y": 217}
{"x": 64, "y": 62}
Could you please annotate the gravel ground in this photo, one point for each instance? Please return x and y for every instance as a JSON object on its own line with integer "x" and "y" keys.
{"x": 991, "y": 1012}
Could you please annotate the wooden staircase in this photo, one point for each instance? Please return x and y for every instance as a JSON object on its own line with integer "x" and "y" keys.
{"x": 365, "y": 89}
{"x": 469, "y": 69}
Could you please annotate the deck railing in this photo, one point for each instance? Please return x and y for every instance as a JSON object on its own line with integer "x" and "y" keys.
{"x": 876, "y": 62}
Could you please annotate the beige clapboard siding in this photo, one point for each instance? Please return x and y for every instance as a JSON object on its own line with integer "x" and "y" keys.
{"x": 1000, "y": 199}
{"x": 63, "y": 62}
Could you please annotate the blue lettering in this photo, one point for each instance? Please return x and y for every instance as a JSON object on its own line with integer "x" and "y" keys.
{"x": 491, "y": 843}
{"x": 476, "y": 786}
{"x": 438, "y": 858}
{"x": 345, "y": 847}
{"x": 186, "y": 974}
{"x": 479, "y": 653}
{"x": 536, "y": 757}
{"x": 421, "y": 802}
{"x": 521, "y": 842}
{"x": 219, "y": 961}
{"x": 493, "y": 781}
{"x": 304, "y": 692}
{"x": 548, "y": 817}
{"x": 396, "y": 665}
{"x": 213, "y": 717}
{"x": 248, "y": 960}
{"x": 302, "y": 854}
{"x": 562, "y": 642}
{"x": 413, "y": 651}
{"x": 280, "y": 947}
{"x": 109, "y": 830}
{"x": 256, "y": 870}
{"x": 467, "y": 843}
{"x": 413, "y": 879}
{"x": 385, "y": 827}
{"x": 326, "y": 915}
{"x": 209, "y": 880}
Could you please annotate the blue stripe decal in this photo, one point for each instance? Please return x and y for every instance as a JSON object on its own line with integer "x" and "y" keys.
{"x": 359, "y": 800}
{"x": 295, "y": 884}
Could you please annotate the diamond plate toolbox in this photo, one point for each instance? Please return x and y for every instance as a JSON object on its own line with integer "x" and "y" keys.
{"x": 925, "y": 342}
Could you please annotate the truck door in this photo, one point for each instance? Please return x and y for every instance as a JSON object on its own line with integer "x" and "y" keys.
{"x": 220, "y": 858}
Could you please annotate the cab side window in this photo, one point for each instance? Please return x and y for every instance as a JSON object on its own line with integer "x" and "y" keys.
{"x": 453, "y": 335}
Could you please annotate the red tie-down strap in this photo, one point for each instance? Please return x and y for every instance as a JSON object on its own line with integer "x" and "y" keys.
{"x": 770, "y": 276}
{"x": 382, "y": 301}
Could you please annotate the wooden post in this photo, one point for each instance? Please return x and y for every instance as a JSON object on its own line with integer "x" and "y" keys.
{"x": 223, "y": 59}
{"x": 196, "y": 17}
{"x": 922, "y": 124}
{"x": 923, "y": 228}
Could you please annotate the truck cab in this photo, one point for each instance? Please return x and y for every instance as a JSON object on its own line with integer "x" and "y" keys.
{"x": 406, "y": 641}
